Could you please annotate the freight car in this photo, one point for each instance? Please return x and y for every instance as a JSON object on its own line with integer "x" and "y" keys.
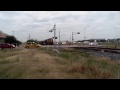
{"x": 47, "y": 42}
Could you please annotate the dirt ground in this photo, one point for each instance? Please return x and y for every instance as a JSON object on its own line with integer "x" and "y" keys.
{"x": 32, "y": 63}
{"x": 39, "y": 63}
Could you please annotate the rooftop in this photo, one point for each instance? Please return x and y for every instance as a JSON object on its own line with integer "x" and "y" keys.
{"x": 3, "y": 35}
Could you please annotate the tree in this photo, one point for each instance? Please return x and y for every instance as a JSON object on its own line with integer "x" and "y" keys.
{"x": 32, "y": 40}
{"x": 11, "y": 39}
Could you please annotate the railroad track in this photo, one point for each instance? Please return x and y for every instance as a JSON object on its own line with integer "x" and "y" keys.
{"x": 117, "y": 51}
{"x": 86, "y": 47}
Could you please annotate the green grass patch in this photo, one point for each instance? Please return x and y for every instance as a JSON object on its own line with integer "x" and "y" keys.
{"x": 65, "y": 55}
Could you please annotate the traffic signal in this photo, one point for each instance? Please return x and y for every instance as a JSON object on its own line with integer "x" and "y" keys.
{"x": 55, "y": 37}
{"x": 50, "y": 31}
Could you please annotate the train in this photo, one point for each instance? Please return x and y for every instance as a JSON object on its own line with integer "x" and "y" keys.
{"x": 47, "y": 42}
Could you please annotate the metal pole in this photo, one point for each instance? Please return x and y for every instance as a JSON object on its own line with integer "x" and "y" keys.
{"x": 84, "y": 33}
{"x": 13, "y": 33}
{"x": 29, "y": 36}
{"x": 72, "y": 37}
{"x": 93, "y": 36}
{"x": 59, "y": 39}
{"x": 54, "y": 35}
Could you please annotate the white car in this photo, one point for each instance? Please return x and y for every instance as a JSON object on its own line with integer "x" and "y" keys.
{"x": 93, "y": 44}
{"x": 13, "y": 45}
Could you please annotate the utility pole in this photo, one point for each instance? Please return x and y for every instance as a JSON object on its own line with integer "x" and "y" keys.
{"x": 74, "y": 34}
{"x": 72, "y": 37}
{"x": 13, "y": 33}
{"x": 54, "y": 35}
{"x": 84, "y": 34}
{"x": 59, "y": 39}
{"x": 29, "y": 36}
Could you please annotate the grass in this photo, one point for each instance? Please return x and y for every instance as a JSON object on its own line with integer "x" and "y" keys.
{"x": 45, "y": 64}
{"x": 111, "y": 45}
{"x": 94, "y": 69}
{"x": 83, "y": 65}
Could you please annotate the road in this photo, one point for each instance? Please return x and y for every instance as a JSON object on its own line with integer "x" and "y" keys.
{"x": 64, "y": 46}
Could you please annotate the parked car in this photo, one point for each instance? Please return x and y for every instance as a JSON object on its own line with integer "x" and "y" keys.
{"x": 93, "y": 44}
{"x": 6, "y": 45}
{"x": 13, "y": 45}
{"x": 31, "y": 45}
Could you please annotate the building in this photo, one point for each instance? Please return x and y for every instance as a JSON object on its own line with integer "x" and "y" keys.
{"x": 2, "y": 36}
{"x": 97, "y": 40}
{"x": 114, "y": 40}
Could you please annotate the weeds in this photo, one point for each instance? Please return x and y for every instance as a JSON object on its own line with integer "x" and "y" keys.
{"x": 43, "y": 63}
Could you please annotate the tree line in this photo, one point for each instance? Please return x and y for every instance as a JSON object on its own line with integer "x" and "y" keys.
{"x": 12, "y": 40}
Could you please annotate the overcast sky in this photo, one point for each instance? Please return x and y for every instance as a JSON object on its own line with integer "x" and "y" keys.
{"x": 97, "y": 24}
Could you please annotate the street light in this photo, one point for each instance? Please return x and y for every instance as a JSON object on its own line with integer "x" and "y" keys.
{"x": 92, "y": 34}
{"x": 74, "y": 34}
{"x": 84, "y": 32}
{"x": 61, "y": 35}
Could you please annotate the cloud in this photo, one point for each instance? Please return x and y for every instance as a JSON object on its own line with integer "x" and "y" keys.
{"x": 102, "y": 24}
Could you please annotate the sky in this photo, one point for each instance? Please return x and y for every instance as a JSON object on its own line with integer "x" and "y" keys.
{"x": 91, "y": 24}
